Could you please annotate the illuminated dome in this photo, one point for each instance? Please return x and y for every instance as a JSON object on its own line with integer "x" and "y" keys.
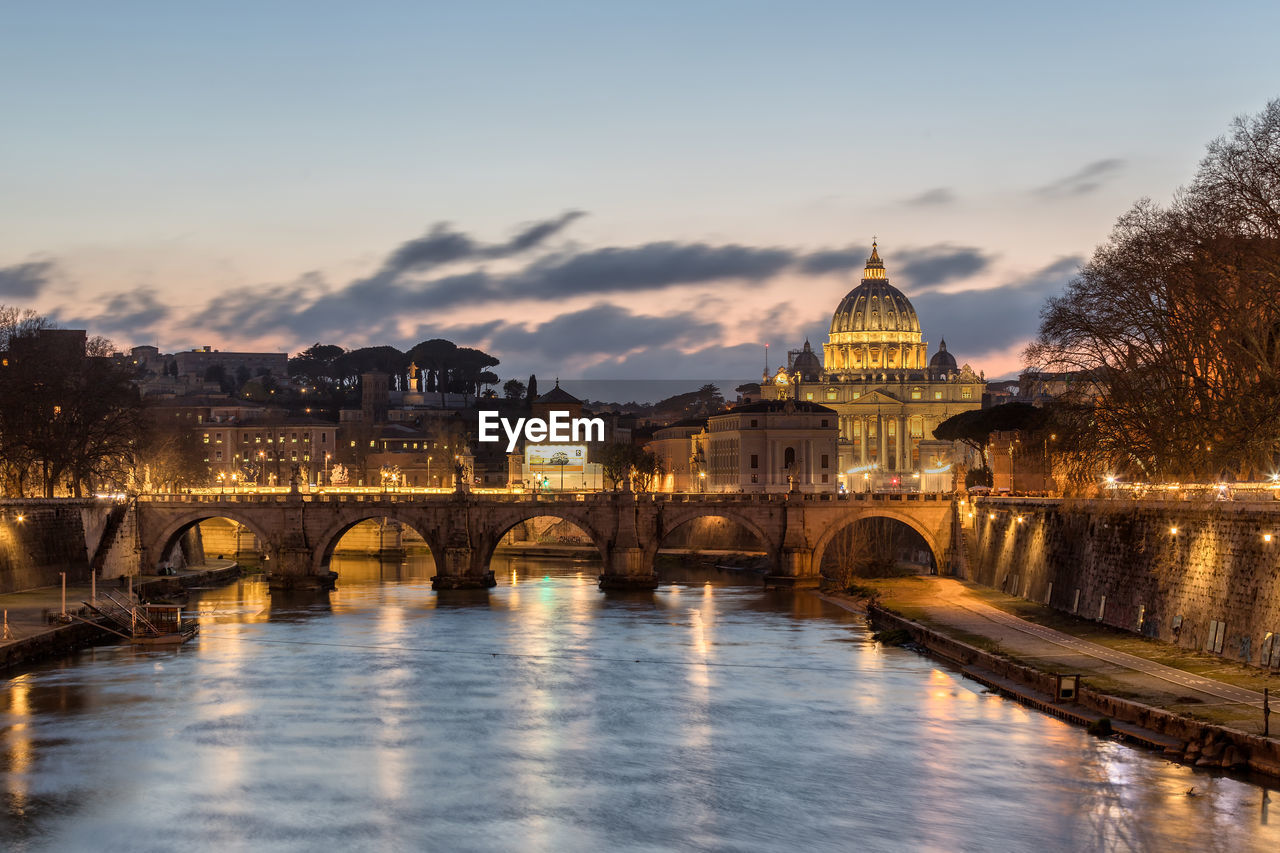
{"x": 874, "y": 327}
{"x": 875, "y": 305}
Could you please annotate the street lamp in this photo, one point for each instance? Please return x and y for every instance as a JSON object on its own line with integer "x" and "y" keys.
{"x": 702, "y": 481}
{"x": 222, "y": 482}
{"x": 428, "y": 472}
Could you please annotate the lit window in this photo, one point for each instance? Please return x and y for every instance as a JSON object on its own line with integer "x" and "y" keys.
{"x": 937, "y": 395}
{"x": 808, "y": 395}
{"x": 966, "y": 393}
{"x": 916, "y": 394}
{"x": 206, "y": 438}
{"x": 831, "y": 393}
{"x": 857, "y": 394}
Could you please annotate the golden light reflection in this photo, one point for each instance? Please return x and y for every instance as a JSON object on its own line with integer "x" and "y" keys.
{"x": 19, "y": 746}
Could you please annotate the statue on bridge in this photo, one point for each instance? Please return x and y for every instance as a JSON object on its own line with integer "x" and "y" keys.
{"x": 461, "y": 484}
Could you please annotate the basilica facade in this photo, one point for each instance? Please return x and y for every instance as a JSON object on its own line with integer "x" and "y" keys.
{"x": 876, "y": 373}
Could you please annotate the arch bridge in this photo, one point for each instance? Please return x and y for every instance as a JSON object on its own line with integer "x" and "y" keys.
{"x": 298, "y": 532}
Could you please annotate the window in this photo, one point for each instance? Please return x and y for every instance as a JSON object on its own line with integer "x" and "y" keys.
{"x": 324, "y": 436}
{"x": 966, "y": 393}
{"x": 857, "y": 394}
{"x": 917, "y": 393}
{"x": 755, "y": 478}
{"x": 789, "y": 457}
{"x": 206, "y": 438}
{"x": 306, "y": 457}
{"x": 217, "y": 438}
{"x": 808, "y": 395}
{"x": 826, "y": 463}
{"x": 824, "y": 477}
{"x": 218, "y": 455}
{"x": 755, "y": 460}
{"x": 824, "y": 421}
{"x": 937, "y": 395}
{"x": 831, "y": 394}
{"x": 755, "y": 422}
{"x": 257, "y": 439}
{"x": 306, "y": 436}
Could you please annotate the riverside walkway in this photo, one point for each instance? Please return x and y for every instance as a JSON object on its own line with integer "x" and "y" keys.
{"x": 27, "y": 612}
{"x": 1184, "y": 681}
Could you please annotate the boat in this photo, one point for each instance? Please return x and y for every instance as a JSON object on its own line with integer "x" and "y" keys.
{"x": 143, "y": 624}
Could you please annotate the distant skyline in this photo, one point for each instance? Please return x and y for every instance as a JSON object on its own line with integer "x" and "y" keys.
{"x": 591, "y": 190}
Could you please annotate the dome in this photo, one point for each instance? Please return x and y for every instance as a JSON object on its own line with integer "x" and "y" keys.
{"x": 943, "y": 361}
{"x": 875, "y": 305}
{"x": 807, "y": 364}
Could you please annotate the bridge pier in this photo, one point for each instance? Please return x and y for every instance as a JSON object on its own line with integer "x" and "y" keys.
{"x": 456, "y": 569}
{"x": 794, "y": 568}
{"x": 290, "y": 568}
{"x": 627, "y": 568}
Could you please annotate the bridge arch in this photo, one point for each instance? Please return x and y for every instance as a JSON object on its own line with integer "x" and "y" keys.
{"x": 158, "y": 548}
{"x": 831, "y": 531}
{"x": 327, "y": 542}
{"x": 502, "y": 522}
{"x": 671, "y": 520}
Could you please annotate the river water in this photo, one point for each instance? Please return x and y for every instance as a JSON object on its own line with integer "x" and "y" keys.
{"x": 546, "y": 715}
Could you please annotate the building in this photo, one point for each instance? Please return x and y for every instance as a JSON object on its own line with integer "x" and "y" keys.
{"x": 771, "y": 446}
{"x": 678, "y": 445}
{"x": 887, "y": 394}
{"x": 196, "y": 364}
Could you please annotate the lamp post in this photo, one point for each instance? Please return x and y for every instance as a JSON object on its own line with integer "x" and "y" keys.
{"x": 222, "y": 482}
{"x": 428, "y": 472}
{"x": 702, "y": 481}
{"x": 326, "y": 472}
{"x": 233, "y": 483}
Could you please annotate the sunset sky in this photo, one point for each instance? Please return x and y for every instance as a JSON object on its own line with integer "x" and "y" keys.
{"x": 591, "y": 189}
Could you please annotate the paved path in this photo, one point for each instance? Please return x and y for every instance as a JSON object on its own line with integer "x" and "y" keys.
{"x": 955, "y": 608}
{"x": 1222, "y": 690}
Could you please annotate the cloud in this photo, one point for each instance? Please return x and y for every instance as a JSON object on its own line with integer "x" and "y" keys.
{"x": 127, "y": 313}
{"x": 933, "y": 266}
{"x": 443, "y": 245}
{"x": 1081, "y": 182}
{"x": 602, "y": 329}
{"x": 25, "y": 281}
{"x": 936, "y": 197}
{"x": 978, "y": 321}
{"x": 309, "y": 308}
{"x": 919, "y": 268}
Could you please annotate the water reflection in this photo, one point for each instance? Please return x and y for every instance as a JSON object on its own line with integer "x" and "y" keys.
{"x": 546, "y": 715}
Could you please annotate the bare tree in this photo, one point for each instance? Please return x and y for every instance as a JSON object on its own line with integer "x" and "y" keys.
{"x": 1175, "y": 321}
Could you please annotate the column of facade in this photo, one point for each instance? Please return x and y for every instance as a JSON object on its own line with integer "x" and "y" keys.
{"x": 904, "y": 444}
{"x": 881, "y": 423}
{"x": 864, "y": 437}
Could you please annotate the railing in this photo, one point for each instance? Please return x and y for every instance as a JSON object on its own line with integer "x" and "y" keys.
{"x": 717, "y": 498}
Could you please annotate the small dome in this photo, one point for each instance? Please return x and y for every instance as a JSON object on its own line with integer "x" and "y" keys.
{"x": 943, "y": 360}
{"x": 875, "y": 305}
{"x": 807, "y": 364}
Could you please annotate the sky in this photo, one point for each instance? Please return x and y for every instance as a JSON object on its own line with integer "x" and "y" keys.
{"x": 617, "y": 190}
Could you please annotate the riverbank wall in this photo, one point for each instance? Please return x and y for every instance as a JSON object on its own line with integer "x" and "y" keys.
{"x": 1198, "y": 575}
{"x": 1181, "y": 738}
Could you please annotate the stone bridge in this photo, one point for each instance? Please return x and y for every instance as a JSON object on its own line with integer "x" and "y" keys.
{"x": 298, "y": 532}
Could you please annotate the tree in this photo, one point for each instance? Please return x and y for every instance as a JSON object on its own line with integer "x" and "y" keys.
{"x": 1175, "y": 323}
{"x": 647, "y": 468}
{"x": 513, "y": 389}
{"x": 616, "y": 462}
{"x": 975, "y": 426}
{"x": 533, "y": 388}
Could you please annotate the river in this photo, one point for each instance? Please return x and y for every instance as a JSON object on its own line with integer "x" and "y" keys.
{"x": 546, "y": 715}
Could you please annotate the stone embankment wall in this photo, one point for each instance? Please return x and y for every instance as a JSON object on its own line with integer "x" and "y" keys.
{"x": 62, "y": 535}
{"x": 1200, "y": 575}
{"x": 49, "y": 538}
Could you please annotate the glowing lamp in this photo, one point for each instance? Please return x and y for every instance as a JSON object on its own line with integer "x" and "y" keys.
{"x": 1173, "y": 531}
